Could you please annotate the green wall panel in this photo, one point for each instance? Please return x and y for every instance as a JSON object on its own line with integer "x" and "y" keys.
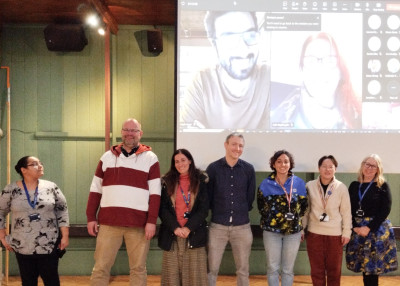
{"x": 58, "y": 114}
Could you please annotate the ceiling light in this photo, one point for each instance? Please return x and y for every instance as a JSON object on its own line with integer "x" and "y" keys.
{"x": 101, "y": 31}
{"x": 92, "y": 20}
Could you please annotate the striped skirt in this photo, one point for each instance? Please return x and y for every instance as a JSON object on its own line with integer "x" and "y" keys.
{"x": 182, "y": 266}
{"x": 374, "y": 254}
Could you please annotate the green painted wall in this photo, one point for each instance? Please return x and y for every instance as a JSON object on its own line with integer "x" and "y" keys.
{"x": 57, "y": 114}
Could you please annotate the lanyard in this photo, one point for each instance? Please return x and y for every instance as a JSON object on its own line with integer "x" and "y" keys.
{"x": 359, "y": 192}
{"x": 35, "y": 196}
{"x": 186, "y": 200}
{"x": 324, "y": 199}
{"x": 288, "y": 196}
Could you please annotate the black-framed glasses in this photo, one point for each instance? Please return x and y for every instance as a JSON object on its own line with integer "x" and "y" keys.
{"x": 250, "y": 38}
{"x": 368, "y": 165}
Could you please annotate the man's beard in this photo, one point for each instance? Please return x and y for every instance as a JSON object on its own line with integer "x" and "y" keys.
{"x": 131, "y": 142}
{"x": 240, "y": 73}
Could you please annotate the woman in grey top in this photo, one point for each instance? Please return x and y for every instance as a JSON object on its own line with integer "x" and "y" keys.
{"x": 40, "y": 223}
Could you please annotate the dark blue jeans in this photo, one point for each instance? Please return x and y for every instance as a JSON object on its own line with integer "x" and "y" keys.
{"x": 43, "y": 265}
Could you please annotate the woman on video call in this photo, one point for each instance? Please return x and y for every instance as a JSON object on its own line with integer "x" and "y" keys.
{"x": 326, "y": 99}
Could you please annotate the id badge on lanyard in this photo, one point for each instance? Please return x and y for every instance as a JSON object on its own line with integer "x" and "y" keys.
{"x": 289, "y": 216}
{"x": 324, "y": 217}
{"x": 32, "y": 204}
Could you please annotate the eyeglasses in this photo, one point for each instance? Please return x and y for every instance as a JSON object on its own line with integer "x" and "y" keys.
{"x": 250, "y": 38}
{"x": 130, "y": 130}
{"x": 35, "y": 164}
{"x": 328, "y": 167}
{"x": 368, "y": 165}
{"x": 328, "y": 61}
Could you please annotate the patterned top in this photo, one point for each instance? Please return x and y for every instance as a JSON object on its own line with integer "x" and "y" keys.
{"x": 273, "y": 205}
{"x": 33, "y": 236}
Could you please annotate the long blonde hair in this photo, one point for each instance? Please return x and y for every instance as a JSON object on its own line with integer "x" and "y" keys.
{"x": 379, "y": 178}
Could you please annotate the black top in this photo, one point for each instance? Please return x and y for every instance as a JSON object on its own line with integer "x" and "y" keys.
{"x": 376, "y": 203}
{"x": 196, "y": 222}
{"x": 231, "y": 191}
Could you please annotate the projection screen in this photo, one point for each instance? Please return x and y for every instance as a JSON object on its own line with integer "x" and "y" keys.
{"x": 312, "y": 77}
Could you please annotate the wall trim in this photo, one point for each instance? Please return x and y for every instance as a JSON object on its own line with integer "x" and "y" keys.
{"x": 99, "y": 136}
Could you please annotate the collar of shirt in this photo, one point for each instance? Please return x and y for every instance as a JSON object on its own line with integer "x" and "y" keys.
{"x": 126, "y": 154}
{"x": 230, "y": 193}
{"x": 225, "y": 163}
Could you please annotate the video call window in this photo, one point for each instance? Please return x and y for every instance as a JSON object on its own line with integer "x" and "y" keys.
{"x": 296, "y": 66}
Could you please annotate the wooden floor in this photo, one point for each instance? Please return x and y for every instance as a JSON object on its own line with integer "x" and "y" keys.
{"x": 256, "y": 280}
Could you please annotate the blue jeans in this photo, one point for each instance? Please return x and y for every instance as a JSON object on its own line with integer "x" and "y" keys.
{"x": 240, "y": 238}
{"x": 281, "y": 250}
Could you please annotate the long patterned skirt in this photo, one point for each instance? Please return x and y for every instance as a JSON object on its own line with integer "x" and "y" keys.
{"x": 183, "y": 266}
{"x": 374, "y": 254}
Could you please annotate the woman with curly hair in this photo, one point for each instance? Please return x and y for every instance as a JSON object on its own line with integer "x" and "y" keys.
{"x": 282, "y": 201}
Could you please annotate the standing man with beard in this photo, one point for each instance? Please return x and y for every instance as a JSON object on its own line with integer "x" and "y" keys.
{"x": 126, "y": 193}
{"x": 234, "y": 93}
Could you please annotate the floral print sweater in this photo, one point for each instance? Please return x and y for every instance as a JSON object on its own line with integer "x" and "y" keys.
{"x": 273, "y": 204}
{"x": 33, "y": 236}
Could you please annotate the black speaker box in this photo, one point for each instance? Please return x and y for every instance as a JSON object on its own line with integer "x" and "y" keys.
{"x": 154, "y": 41}
{"x": 65, "y": 37}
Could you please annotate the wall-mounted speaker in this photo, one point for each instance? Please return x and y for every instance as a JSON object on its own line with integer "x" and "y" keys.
{"x": 154, "y": 41}
{"x": 65, "y": 37}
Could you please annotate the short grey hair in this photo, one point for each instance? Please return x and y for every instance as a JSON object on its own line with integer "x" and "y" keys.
{"x": 234, "y": 134}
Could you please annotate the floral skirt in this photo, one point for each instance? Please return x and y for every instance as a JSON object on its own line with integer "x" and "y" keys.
{"x": 374, "y": 254}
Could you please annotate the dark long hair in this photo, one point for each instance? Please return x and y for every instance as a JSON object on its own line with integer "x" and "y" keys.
{"x": 22, "y": 163}
{"x": 171, "y": 178}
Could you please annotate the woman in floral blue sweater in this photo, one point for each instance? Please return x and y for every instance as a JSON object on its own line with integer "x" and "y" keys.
{"x": 282, "y": 201}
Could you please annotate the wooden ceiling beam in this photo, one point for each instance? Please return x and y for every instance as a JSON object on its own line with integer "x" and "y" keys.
{"x": 106, "y": 15}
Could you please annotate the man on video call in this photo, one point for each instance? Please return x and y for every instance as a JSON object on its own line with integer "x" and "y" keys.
{"x": 235, "y": 92}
